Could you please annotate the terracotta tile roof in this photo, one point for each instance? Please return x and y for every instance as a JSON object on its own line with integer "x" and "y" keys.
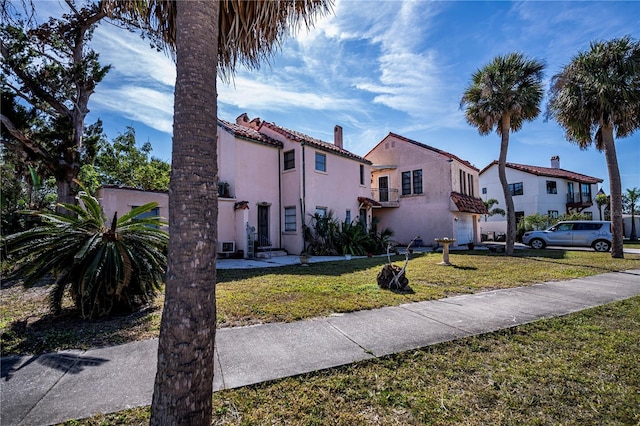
{"x": 317, "y": 143}
{"x": 430, "y": 148}
{"x": 549, "y": 172}
{"x": 369, "y": 202}
{"x": 468, "y": 204}
{"x": 248, "y": 133}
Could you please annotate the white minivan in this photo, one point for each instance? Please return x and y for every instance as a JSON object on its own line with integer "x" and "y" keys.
{"x": 576, "y": 233}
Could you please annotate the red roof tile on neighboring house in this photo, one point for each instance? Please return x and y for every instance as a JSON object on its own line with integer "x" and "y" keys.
{"x": 369, "y": 202}
{"x": 248, "y": 133}
{"x": 308, "y": 140}
{"x": 430, "y": 148}
{"x": 468, "y": 204}
{"x": 548, "y": 172}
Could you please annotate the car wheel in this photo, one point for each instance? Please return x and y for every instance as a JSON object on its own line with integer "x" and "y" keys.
{"x": 537, "y": 243}
{"x": 601, "y": 245}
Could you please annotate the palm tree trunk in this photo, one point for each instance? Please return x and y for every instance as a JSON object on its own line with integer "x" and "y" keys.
{"x": 633, "y": 236}
{"x": 184, "y": 380}
{"x": 615, "y": 187}
{"x": 502, "y": 174}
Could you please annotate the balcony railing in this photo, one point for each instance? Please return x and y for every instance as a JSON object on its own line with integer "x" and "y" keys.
{"x": 388, "y": 196}
{"x": 583, "y": 198}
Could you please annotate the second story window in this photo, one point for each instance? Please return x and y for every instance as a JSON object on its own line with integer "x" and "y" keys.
{"x": 289, "y": 160}
{"x": 516, "y": 188}
{"x": 406, "y": 183}
{"x": 321, "y": 162}
{"x": 412, "y": 182}
{"x": 361, "y": 174}
{"x": 552, "y": 187}
{"x": 417, "y": 181}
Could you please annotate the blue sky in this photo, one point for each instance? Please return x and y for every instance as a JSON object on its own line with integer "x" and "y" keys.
{"x": 380, "y": 67}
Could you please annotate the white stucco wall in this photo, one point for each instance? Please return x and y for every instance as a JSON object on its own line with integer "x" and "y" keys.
{"x": 533, "y": 200}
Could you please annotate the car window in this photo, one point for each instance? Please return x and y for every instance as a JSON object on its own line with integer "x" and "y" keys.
{"x": 564, "y": 227}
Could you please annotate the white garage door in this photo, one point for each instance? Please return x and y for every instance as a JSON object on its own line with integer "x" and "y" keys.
{"x": 465, "y": 229}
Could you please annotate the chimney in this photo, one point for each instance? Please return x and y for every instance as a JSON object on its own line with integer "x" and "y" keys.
{"x": 243, "y": 120}
{"x": 337, "y": 136}
{"x": 255, "y": 123}
{"x": 555, "y": 162}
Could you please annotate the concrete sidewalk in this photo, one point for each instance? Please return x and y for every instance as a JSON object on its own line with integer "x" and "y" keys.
{"x": 51, "y": 388}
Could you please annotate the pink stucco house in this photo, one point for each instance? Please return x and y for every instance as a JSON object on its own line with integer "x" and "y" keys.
{"x": 424, "y": 191}
{"x": 314, "y": 176}
{"x": 271, "y": 180}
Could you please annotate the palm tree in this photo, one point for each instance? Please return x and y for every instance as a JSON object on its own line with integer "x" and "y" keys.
{"x": 106, "y": 268}
{"x": 631, "y": 201}
{"x": 502, "y": 96}
{"x": 493, "y": 210}
{"x": 595, "y": 95}
{"x": 601, "y": 201}
{"x": 206, "y": 36}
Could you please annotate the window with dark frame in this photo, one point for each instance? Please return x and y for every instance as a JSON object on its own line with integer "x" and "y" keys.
{"x": 289, "y": 160}
{"x": 470, "y": 186}
{"x": 321, "y": 162}
{"x": 361, "y": 174}
{"x": 552, "y": 187}
{"x": 516, "y": 188}
{"x": 406, "y": 183}
{"x": 417, "y": 181}
{"x": 290, "y": 219}
{"x": 463, "y": 182}
{"x": 552, "y": 214}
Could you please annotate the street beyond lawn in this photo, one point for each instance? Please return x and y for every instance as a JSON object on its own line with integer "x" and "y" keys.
{"x": 251, "y": 296}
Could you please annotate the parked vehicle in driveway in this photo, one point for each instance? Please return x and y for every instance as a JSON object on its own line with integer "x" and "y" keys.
{"x": 576, "y": 233}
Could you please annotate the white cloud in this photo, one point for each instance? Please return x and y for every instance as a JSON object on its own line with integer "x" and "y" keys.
{"x": 148, "y": 106}
{"x": 273, "y": 95}
{"x": 132, "y": 57}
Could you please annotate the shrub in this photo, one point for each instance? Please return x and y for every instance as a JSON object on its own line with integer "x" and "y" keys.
{"x": 106, "y": 269}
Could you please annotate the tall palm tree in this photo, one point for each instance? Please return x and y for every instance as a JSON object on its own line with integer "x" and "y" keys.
{"x": 502, "y": 96}
{"x": 595, "y": 95}
{"x": 631, "y": 202}
{"x": 206, "y": 36}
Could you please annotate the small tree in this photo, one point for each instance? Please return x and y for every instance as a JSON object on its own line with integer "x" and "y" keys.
{"x": 106, "y": 269}
{"x": 630, "y": 204}
{"x": 601, "y": 200}
{"x": 493, "y": 210}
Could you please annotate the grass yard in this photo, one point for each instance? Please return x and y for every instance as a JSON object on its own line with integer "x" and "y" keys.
{"x": 292, "y": 293}
{"x": 582, "y": 369}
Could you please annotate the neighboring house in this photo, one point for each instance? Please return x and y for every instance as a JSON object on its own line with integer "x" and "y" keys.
{"x": 423, "y": 191}
{"x": 548, "y": 191}
{"x": 271, "y": 181}
{"x": 315, "y": 177}
{"x": 114, "y": 198}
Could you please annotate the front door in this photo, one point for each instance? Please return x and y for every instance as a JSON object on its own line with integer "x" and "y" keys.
{"x": 263, "y": 225}
{"x": 383, "y": 187}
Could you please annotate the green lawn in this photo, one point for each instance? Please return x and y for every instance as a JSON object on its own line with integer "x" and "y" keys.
{"x": 582, "y": 369}
{"x": 292, "y": 293}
